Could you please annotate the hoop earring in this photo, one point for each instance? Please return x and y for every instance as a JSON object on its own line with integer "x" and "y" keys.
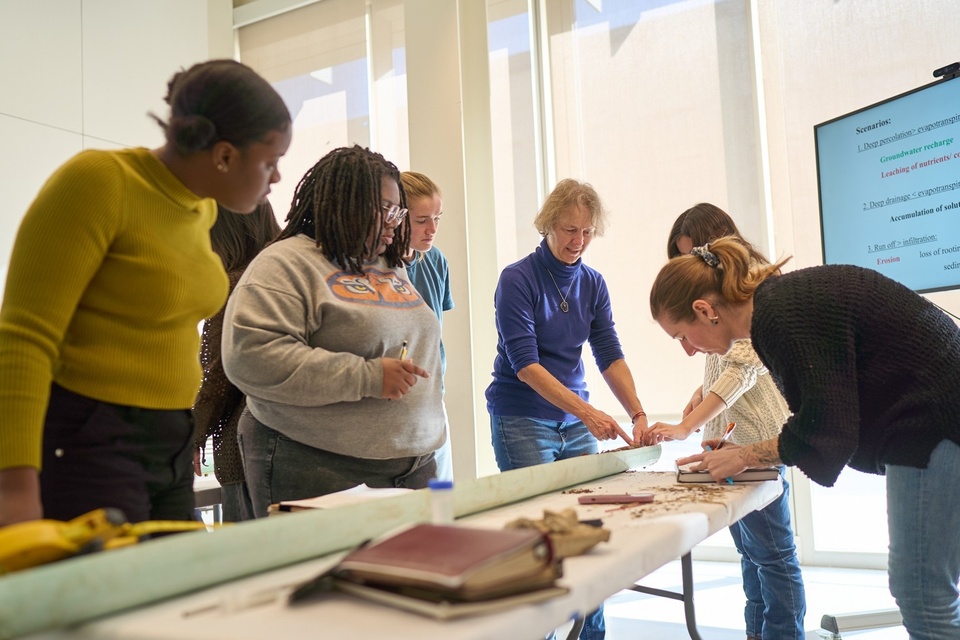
{"x": 714, "y": 319}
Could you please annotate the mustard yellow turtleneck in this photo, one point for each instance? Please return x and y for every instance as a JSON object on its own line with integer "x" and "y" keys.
{"x": 110, "y": 275}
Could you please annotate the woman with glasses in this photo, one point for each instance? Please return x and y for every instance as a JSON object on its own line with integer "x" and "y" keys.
{"x": 547, "y": 306}
{"x": 337, "y": 354}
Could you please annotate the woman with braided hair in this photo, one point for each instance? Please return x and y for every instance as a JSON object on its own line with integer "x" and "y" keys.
{"x": 337, "y": 354}
{"x": 110, "y": 275}
{"x": 869, "y": 370}
{"x": 237, "y": 239}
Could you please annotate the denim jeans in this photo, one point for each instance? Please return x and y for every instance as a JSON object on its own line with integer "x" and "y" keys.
{"x": 235, "y": 499}
{"x": 772, "y": 581}
{"x": 523, "y": 442}
{"x": 924, "y": 563}
{"x": 278, "y": 468}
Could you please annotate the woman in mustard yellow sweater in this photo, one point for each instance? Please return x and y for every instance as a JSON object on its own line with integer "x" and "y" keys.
{"x": 110, "y": 275}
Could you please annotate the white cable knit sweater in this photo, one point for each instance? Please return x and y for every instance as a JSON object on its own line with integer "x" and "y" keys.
{"x": 752, "y": 398}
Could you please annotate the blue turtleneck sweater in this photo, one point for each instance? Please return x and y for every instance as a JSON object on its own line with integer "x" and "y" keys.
{"x": 532, "y": 328}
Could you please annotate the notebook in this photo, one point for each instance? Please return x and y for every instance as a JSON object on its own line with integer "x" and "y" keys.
{"x": 686, "y": 474}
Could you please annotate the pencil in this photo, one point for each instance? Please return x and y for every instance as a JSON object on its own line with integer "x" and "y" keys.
{"x": 403, "y": 351}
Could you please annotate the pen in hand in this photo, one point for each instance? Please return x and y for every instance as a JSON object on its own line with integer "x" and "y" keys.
{"x": 403, "y": 351}
{"x": 726, "y": 434}
{"x": 724, "y": 438}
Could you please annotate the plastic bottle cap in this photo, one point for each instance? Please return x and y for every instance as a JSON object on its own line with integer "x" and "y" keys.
{"x": 434, "y": 483}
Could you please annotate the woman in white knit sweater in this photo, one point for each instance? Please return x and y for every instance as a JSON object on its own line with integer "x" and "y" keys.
{"x": 738, "y": 388}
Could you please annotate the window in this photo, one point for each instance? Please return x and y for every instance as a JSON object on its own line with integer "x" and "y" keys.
{"x": 340, "y": 68}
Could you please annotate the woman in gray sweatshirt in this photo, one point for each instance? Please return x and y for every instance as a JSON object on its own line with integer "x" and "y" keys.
{"x": 337, "y": 353}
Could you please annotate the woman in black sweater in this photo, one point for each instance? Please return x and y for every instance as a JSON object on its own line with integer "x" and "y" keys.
{"x": 871, "y": 373}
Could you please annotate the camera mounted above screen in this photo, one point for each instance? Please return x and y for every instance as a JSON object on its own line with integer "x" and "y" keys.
{"x": 948, "y": 71}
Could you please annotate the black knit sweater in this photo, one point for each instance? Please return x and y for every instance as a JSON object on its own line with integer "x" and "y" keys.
{"x": 219, "y": 403}
{"x": 870, "y": 369}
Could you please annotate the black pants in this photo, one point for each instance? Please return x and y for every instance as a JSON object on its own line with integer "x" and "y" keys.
{"x": 97, "y": 454}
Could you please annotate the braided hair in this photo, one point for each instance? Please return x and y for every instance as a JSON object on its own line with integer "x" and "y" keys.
{"x": 338, "y": 204}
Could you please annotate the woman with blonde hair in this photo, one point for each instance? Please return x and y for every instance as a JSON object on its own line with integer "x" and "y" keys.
{"x": 548, "y": 305}
{"x": 430, "y": 273}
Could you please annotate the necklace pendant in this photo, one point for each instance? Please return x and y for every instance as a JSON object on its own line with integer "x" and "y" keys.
{"x": 564, "y": 306}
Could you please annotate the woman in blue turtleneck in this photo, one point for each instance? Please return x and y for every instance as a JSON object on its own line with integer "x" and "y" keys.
{"x": 547, "y": 306}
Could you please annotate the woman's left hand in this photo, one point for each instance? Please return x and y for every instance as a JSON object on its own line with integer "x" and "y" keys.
{"x": 399, "y": 376}
{"x": 640, "y": 429}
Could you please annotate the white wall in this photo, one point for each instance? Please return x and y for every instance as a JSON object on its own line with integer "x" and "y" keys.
{"x": 864, "y": 52}
{"x": 81, "y": 74}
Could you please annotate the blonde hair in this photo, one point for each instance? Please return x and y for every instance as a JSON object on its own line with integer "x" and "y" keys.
{"x": 417, "y": 185}
{"x": 687, "y": 278}
{"x": 567, "y": 194}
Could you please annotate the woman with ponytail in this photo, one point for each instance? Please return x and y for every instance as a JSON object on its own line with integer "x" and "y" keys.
{"x": 737, "y": 388}
{"x": 870, "y": 371}
{"x": 110, "y": 275}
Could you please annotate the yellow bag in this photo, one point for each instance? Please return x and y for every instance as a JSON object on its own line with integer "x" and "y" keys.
{"x": 36, "y": 542}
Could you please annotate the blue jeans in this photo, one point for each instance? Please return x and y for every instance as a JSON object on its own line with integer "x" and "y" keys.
{"x": 772, "y": 581}
{"x": 924, "y": 563}
{"x": 523, "y": 442}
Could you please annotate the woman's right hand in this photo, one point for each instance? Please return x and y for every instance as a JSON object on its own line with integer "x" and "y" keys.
{"x": 398, "y": 377}
{"x": 663, "y": 431}
{"x": 19, "y": 495}
{"x": 603, "y": 427}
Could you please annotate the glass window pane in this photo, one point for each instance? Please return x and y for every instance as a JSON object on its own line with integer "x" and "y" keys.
{"x": 851, "y": 515}
{"x": 513, "y": 128}
{"x": 317, "y": 59}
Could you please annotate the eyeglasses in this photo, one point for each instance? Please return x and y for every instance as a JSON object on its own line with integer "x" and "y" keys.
{"x": 393, "y": 212}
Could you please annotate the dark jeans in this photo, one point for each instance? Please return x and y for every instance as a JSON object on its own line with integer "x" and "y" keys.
{"x": 97, "y": 454}
{"x": 278, "y": 468}
{"x": 235, "y": 500}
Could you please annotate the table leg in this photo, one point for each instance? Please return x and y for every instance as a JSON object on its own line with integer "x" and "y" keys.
{"x": 576, "y": 628}
{"x": 686, "y": 572}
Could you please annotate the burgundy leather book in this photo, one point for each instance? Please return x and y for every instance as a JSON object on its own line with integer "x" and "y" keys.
{"x": 455, "y": 561}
